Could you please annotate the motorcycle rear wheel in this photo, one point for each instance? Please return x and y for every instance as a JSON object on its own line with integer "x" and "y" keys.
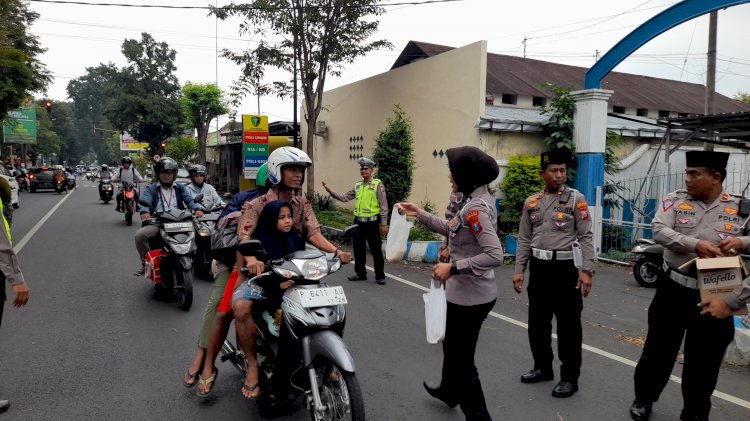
{"x": 647, "y": 272}
{"x": 340, "y": 394}
{"x": 185, "y": 284}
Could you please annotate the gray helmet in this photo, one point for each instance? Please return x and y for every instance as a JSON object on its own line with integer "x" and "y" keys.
{"x": 196, "y": 170}
{"x": 366, "y": 163}
{"x": 165, "y": 164}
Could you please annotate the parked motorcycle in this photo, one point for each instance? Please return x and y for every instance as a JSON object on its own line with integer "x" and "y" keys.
{"x": 128, "y": 201}
{"x": 170, "y": 261}
{"x": 304, "y": 362}
{"x": 648, "y": 262}
{"x": 106, "y": 190}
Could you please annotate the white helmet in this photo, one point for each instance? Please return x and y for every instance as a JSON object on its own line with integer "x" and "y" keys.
{"x": 283, "y": 156}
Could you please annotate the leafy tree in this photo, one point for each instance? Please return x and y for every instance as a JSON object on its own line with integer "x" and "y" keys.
{"x": 47, "y": 141}
{"x": 21, "y": 73}
{"x": 394, "y": 154}
{"x": 201, "y": 103}
{"x": 743, "y": 97}
{"x": 521, "y": 181}
{"x": 142, "y": 163}
{"x": 318, "y": 37}
{"x": 182, "y": 150}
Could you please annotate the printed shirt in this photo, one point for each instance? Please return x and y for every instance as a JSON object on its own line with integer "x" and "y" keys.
{"x": 554, "y": 221}
{"x": 303, "y": 218}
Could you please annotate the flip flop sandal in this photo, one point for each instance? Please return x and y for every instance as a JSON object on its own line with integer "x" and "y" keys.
{"x": 250, "y": 390}
{"x": 193, "y": 376}
{"x": 206, "y": 383}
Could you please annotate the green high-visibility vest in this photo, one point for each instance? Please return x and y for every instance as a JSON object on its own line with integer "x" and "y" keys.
{"x": 367, "y": 199}
{"x": 5, "y": 221}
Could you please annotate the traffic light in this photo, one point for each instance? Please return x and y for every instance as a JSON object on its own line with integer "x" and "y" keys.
{"x": 48, "y": 106}
{"x": 163, "y": 145}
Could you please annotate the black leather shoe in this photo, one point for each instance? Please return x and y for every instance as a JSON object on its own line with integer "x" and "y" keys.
{"x": 4, "y": 405}
{"x": 357, "y": 278}
{"x": 565, "y": 389}
{"x": 536, "y": 376}
{"x": 437, "y": 393}
{"x": 640, "y": 411}
{"x": 380, "y": 281}
{"x": 689, "y": 416}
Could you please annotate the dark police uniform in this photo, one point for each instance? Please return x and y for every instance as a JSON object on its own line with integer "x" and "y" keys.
{"x": 680, "y": 223}
{"x": 370, "y": 211}
{"x": 550, "y": 225}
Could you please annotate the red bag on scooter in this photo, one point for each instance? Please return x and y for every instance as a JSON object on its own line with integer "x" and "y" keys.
{"x": 153, "y": 263}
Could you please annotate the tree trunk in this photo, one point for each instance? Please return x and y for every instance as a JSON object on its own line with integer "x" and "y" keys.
{"x": 202, "y": 136}
{"x": 310, "y": 176}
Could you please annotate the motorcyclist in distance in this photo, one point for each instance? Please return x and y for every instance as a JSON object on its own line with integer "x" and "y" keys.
{"x": 162, "y": 196}
{"x": 127, "y": 174}
{"x": 198, "y": 185}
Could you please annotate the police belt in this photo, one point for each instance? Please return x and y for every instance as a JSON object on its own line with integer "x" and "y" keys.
{"x": 551, "y": 254}
{"x": 365, "y": 218}
{"x": 683, "y": 280}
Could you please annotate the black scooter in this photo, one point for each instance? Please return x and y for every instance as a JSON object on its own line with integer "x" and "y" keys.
{"x": 648, "y": 262}
{"x": 106, "y": 190}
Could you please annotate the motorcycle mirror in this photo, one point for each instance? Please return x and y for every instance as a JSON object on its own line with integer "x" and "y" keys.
{"x": 198, "y": 198}
{"x": 252, "y": 248}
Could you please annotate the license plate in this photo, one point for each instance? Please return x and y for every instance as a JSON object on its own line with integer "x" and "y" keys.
{"x": 178, "y": 227}
{"x": 321, "y": 297}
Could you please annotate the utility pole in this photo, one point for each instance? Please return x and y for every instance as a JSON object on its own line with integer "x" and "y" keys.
{"x": 711, "y": 69}
{"x": 596, "y": 58}
{"x": 294, "y": 123}
{"x": 524, "y": 46}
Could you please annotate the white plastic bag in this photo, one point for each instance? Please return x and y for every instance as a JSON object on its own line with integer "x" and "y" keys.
{"x": 398, "y": 235}
{"x": 435, "y": 312}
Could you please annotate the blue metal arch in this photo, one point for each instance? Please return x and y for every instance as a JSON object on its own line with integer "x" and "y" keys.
{"x": 664, "y": 21}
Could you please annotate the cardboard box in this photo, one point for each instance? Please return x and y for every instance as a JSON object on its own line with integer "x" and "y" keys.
{"x": 718, "y": 276}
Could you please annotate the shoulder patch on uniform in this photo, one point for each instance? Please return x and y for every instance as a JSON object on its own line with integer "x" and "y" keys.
{"x": 583, "y": 210}
{"x": 472, "y": 218}
{"x": 666, "y": 204}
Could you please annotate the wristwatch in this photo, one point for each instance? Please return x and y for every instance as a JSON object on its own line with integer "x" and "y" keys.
{"x": 454, "y": 269}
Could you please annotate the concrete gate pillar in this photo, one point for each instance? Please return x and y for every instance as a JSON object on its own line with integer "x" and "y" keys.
{"x": 590, "y": 135}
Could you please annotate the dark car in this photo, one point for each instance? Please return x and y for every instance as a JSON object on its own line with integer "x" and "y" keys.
{"x": 41, "y": 178}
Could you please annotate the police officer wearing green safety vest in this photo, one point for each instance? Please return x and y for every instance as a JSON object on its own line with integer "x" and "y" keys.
{"x": 371, "y": 217}
{"x": 10, "y": 272}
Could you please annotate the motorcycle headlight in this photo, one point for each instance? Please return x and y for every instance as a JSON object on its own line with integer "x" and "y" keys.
{"x": 312, "y": 269}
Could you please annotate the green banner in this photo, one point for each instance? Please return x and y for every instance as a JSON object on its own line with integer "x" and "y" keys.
{"x": 20, "y": 126}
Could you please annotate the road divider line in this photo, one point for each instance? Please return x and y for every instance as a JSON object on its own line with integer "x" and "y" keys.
{"x": 19, "y": 246}
{"x": 598, "y": 351}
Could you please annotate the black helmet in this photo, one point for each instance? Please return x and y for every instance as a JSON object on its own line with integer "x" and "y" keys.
{"x": 165, "y": 164}
{"x": 126, "y": 160}
{"x": 197, "y": 169}
{"x": 104, "y": 167}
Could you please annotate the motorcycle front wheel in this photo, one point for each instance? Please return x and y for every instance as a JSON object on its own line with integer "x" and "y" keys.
{"x": 185, "y": 285}
{"x": 647, "y": 272}
{"x": 340, "y": 394}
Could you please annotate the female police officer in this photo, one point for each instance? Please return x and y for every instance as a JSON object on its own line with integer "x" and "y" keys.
{"x": 470, "y": 280}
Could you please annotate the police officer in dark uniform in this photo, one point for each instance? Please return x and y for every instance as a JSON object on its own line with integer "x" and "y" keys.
{"x": 371, "y": 217}
{"x": 556, "y": 240}
{"x": 703, "y": 221}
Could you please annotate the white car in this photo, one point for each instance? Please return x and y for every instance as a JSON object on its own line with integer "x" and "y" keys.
{"x": 8, "y": 175}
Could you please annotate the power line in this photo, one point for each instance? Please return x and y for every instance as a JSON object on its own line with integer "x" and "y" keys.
{"x": 165, "y": 6}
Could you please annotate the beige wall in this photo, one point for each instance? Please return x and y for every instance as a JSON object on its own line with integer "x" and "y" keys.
{"x": 443, "y": 96}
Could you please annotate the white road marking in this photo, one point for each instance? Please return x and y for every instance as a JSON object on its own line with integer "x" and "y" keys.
{"x": 721, "y": 395}
{"x": 19, "y": 246}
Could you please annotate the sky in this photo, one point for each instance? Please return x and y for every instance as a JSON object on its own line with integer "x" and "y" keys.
{"x": 569, "y": 32}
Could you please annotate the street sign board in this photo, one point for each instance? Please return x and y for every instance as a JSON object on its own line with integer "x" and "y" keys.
{"x": 20, "y": 126}
{"x": 254, "y": 144}
{"x": 128, "y": 143}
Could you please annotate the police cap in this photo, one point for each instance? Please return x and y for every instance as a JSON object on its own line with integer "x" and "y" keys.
{"x": 555, "y": 156}
{"x": 716, "y": 161}
{"x": 366, "y": 163}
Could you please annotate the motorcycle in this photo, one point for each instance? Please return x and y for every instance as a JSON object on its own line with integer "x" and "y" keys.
{"x": 71, "y": 180}
{"x": 61, "y": 185}
{"x": 128, "y": 201}
{"x": 304, "y": 362}
{"x": 106, "y": 191}
{"x": 170, "y": 261}
{"x": 22, "y": 180}
{"x": 204, "y": 227}
{"x": 648, "y": 262}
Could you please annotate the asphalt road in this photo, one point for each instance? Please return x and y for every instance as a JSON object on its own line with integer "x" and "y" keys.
{"x": 93, "y": 344}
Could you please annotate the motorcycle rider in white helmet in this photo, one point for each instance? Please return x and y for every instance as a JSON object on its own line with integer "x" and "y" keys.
{"x": 286, "y": 171}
